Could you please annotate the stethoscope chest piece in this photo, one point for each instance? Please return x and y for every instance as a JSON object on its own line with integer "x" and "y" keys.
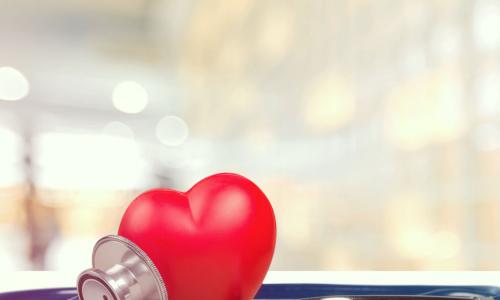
{"x": 120, "y": 271}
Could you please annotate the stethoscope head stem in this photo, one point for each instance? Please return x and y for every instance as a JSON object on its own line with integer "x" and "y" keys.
{"x": 121, "y": 270}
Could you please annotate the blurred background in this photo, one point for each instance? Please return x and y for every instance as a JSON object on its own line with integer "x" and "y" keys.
{"x": 372, "y": 126}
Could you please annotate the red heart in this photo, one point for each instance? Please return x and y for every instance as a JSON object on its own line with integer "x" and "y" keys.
{"x": 213, "y": 242}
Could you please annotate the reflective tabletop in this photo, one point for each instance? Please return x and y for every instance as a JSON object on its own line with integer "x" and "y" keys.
{"x": 316, "y": 292}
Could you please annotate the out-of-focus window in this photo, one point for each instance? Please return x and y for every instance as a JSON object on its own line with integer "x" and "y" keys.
{"x": 371, "y": 126}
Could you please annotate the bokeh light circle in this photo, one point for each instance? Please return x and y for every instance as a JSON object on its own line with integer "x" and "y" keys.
{"x": 172, "y": 131}
{"x": 130, "y": 97}
{"x": 13, "y": 85}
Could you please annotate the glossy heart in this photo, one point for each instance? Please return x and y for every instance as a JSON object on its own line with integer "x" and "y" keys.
{"x": 213, "y": 242}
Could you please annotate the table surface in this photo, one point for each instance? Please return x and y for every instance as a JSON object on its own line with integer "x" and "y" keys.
{"x": 14, "y": 281}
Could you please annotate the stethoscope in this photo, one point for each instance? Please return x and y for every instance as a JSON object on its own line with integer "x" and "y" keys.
{"x": 284, "y": 290}
{"x": 122, "y": 271}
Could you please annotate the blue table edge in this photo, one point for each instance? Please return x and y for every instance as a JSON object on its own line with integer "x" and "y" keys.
{"x": 296, "y": 291}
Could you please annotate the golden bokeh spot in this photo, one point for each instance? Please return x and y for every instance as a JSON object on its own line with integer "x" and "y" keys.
{"x": 275, "y": 34}
{"x": 329, "y": 103}
{"x": 426, "y": 110}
